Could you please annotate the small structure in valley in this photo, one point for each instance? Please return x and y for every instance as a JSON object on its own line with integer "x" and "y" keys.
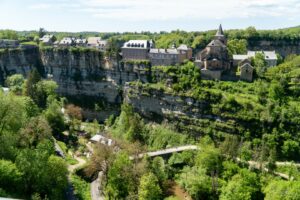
{"x": 101, "y": 139}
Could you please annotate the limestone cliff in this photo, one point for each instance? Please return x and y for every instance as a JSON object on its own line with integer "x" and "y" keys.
{"x": 78, "y": 71}
{"x": 187, "y": 113}
{"x": 281, "y": 47}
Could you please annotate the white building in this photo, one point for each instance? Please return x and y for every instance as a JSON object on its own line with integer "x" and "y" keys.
{"x": 47, "y": 39}
{"x": 270, "y": 57}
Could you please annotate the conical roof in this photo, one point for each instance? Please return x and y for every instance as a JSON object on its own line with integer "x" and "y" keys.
{"x": 220, "y": 31}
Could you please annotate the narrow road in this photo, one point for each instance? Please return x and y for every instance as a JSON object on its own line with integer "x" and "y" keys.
{"x": 96, "y": 191}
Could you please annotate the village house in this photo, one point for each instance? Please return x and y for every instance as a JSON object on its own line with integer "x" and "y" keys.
{"x": 136, "y": 49}
{"x": 270, "y": 57}
{"x": 80, "y": 42}
{"x": 5, "y": 43}
{"x": 47, "y": 39}
{"x": 67, "y": 41}
{"x": 98, "y": 43}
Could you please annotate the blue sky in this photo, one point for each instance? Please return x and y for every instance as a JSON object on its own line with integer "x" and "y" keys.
{"x": 147, "y": 15}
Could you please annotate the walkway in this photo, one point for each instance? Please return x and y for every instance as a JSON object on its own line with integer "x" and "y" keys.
{"x": 166, "y": 151}
{"x": 96, "y": 192}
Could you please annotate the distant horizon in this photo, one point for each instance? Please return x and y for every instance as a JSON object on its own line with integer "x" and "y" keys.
{"x": 121, "y": 32}
{"x": 106, "y": 16}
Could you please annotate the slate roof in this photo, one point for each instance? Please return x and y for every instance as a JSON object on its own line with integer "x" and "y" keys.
{"x": 216, "y": 42}
{"x": 140, "y": 44}
{"x": 269, "y": 55}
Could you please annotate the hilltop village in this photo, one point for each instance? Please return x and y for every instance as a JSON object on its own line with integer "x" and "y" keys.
{"x": 175, "y": 115}
{"x": 214, "y": 60}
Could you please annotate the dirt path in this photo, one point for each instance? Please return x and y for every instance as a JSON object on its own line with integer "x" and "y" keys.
{"x": 80, "y": 163}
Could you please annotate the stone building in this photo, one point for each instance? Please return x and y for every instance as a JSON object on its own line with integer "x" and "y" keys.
{"x": 136, "y": 49}
{"x": 170, "y": 56}
{"x": 98, "y": 43}
{"x": 246, "y": 70}
{"x": 214, "y": 59}
{"x": 270, "y": 57}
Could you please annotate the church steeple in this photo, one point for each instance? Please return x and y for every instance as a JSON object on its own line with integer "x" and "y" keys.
{"x": 220, "y": 31}
{"x": 220, "y": 35}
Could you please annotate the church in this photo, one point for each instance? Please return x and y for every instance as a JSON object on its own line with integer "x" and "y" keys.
{"x": 214, "y": 60}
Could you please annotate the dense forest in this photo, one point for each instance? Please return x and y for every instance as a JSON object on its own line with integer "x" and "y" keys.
{"x": 250, "y": 153}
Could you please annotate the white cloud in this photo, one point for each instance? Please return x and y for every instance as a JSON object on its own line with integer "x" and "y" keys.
{"x": 40, "y": 6}
{"x": 139, "y": 10}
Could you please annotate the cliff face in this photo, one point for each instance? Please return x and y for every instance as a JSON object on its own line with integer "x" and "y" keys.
{"x": 282, "y": 47}
{"x": 187, "y": 113}
{"x": 77, "y": 72}
{"x": 17, "y": 61}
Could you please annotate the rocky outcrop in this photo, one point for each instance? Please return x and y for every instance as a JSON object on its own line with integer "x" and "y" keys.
{"x": 282, "y": 47}
{"x": 188, "y": 114}
{"x": 78, "y": 71}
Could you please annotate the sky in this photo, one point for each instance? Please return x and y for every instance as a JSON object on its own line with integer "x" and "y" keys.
{"x": 147, "y": 15}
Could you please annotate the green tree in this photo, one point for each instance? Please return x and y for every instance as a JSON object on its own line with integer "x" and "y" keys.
{"x": 282, "y": 190}
{"x": 149, "y": 188}
{"x": 15, "y": 83}
{"x": 260, "y": 64}
{"x": 159, "y": 169}
{"x": 10, "y": 176}
{"x": 30, "y": 88}
{"x": 236, "y": 46}
{"x": 243, "y": 186}
{"x": 196, "y": 182}
{"x": 121, "y": 180}
{"x": 34, "y": 132}
{"x": 55, "y": 117}
{"x": 290, "y": 149}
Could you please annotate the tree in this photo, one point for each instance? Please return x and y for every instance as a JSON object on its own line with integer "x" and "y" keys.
{"x": 243, "y": 186}
{"x": 290, "y": 149}
{"x": 101, "y": 160}
{"x": 159, "y": 169}
{"x": 55, "y": 117}
{"x": 15, "y": 83}
{"x": 10, "y": 176}
{"x": 282, "y": 190}
{"x": 230, "y": 146}
{"x": 30, "y": 88}
{"x": 42, "y": 32}
{"x": 196, "y": 182}
{"x": 121, "y": 180}
{"x": 34, "y": 132}
{"x": 237, "y": 46}
{"x": 260, "y": 64}
{"x": 149, "y": 188}
{"x": 75, "y": 115}
{"x": 209, "y": 157}
{"x": 277, "y": 92}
